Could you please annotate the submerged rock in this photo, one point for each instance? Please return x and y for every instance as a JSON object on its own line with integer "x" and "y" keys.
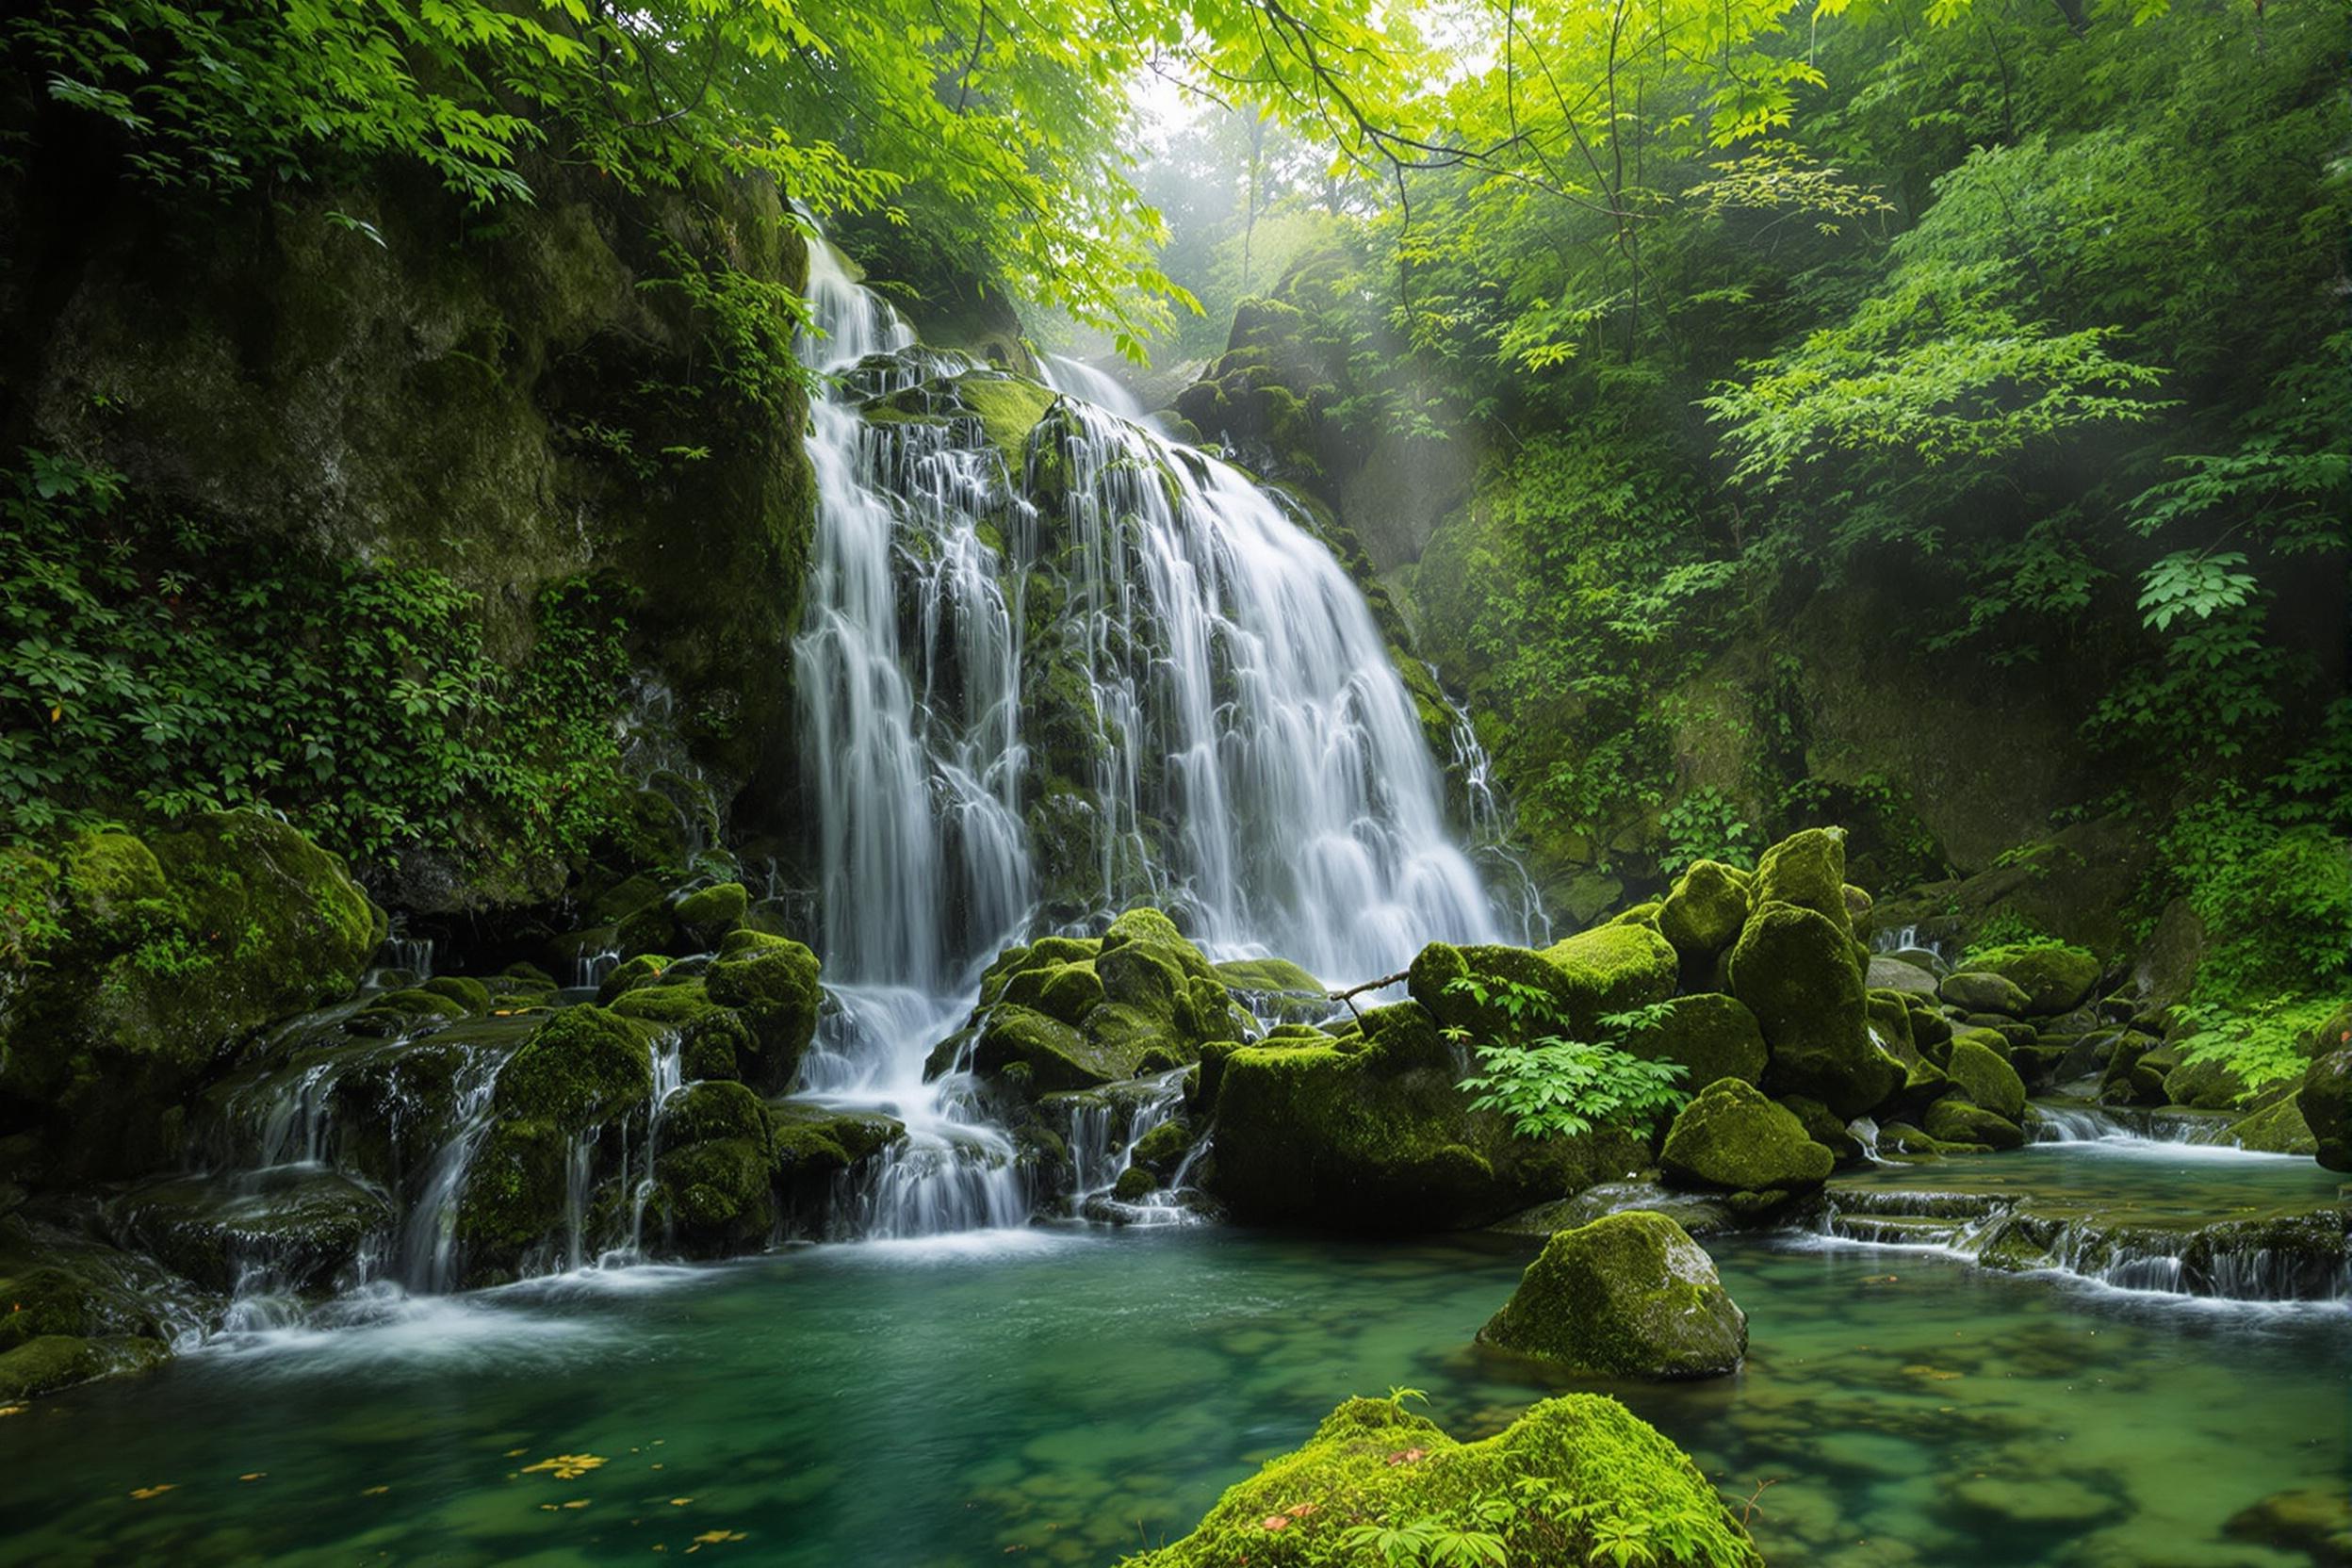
{"x": 1733, "y": 1138}
{"x": 1371, "y": 1461}
{"x": 2314, "y": 1521}
{"x": 1630, "y": 1295}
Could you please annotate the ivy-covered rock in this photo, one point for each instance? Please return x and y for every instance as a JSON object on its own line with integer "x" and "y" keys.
{"x": 1711, "y": 1035}
{"x": 772, "y": 981}
{"x": 1370, "y": 1131}
{"x": 1630, "y": 1295}
{"x": 141, "y": 957}
{"x": 1606, "y": 1472}
{"x": 1795, "y": 971}
{"x": 1705, "y": 910}
{"x": 1594, "y": 974}
{"x": 1732, "y": 1138}
{"x": 1986, "y": 1079}
{"x": 2327, "y": 1103}
{"x": 2053, "y": 977}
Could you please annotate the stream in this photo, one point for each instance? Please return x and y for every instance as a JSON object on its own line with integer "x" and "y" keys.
{"x": 1061, "y": 1393}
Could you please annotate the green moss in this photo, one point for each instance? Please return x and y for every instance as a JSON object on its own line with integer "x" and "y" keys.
{"x": 812, "y": 1141}
{"x": 1703, "y": 913}
{"x": 2277, "y": 1129}
{"x": 116, "y": 888}
{"x": 2327, "y": 1103}
{"x": 1807, "y": 870}
{"x": 1268, "y": 975}
{"x": 1372, "y": 1133}
{"x": 1052, "y": 1055}
{"x": 672, "y": 1004}
{"x": 1007, "y": 408}
{"x": 1955, "y": 1120}
{"x": 1731, "y": 1137}
{"x": 1579, "y": 1468}
{"x": 709, "y": 913}
{"x": 2054, "y": 977}
{"x": 772, "y": 981}
{"x": 467, "y": 992}
{"x": 1629, "y": 1295}
{"x": 1135, "y": 1184}
{"x": 1793, "y": 969}
{"x": 1711, "y": 1035}
{"x": 646, "y": 968}
{"x": 581, "y": 1068}
{"x": 1986, "y": 1079}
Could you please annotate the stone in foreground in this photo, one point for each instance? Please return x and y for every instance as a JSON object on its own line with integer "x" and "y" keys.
{"x": 1373, "y": 1462}
{"x": 1627, "y": 1296}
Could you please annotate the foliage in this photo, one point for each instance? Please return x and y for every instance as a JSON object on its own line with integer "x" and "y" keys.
{"x": 2260, "y": 1041}
{"x": 1705, "y": 825}
{"x": 351, "y": 698}
{"x": 1552, "y": 1085}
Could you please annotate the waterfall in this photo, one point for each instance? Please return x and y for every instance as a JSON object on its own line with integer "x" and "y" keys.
{"x": 1250, "y": 757}
{"x": 1077, "y": 379}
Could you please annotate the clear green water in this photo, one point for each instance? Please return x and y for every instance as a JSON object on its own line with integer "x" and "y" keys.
{"x": 1071, "y": 1392}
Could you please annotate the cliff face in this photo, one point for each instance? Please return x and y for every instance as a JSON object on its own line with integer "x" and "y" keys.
{"x": 512, "y": 398}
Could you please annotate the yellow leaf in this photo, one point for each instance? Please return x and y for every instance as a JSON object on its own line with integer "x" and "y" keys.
{"x": 253, "y": 1474}
{"x": 142, "y": 1493}
{"x": 375, "y": 1491}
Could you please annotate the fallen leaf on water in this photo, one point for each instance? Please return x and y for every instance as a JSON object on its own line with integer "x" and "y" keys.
{"x": 567, "y": 1468}
{"x": 143, "y": 1493}
{"x": 12, "y": 1410}
{"x": 253, "y": 1474}
{"x": 516, "y": 1453}
{"x": 375, "y": 1491}
{"x": 680, "y": 1502}
{"x": 576, "y": 1502}
{"x": 712, "y": 1538}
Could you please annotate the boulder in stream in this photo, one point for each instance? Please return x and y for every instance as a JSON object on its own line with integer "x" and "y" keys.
{"x": 1734, "y": 1140}
{"x": 2326, "y": 1103}
{"x": 1630, "y": 1295}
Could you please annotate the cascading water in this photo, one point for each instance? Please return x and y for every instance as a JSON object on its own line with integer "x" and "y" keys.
{"x": 1252, "y": 759}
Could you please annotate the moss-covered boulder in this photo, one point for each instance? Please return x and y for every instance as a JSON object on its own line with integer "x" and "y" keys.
{"x": 2207, "y": 1083}
{"x": 150, "y": 955}
{"x": 1732, "y": 1138}
{"x": 2326, "y": 1106}
{"x": 2054, "y": 977}
{"x": 1711, "y": 1035}
{"x": 1370, "y": 1131}
{"x": 1580, "y": 980}
{"x": 1896, "y": 975}
{"x": 1706, "y": 909}
{"x": 291, "y": 1227}
{"x": 704, "y": 917}
{"x": 2278, "y": 1128}
{"x": 1629, "y": 1295}
{"x": 1986, "y": 1079}
{"x": 1974, "y": 990}
{"x": 814, "y": 1143}
{"x": 713, "y": 1192}
{"x": 1795, "y": 971}
{"x": 1955, "y": 1120}
{"x": 1073, "y": 1013}
{"x": 772, "y": 982}
{"x": 1607, "y": 1473}
{"x": 1807, "y": 870}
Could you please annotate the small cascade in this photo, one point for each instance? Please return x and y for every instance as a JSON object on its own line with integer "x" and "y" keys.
{"x": 1489, "y": 831}
{"x": 409, "y": 958}
{"x": 589, "y": 969}
{"x": 669, "y": 1076}
{"x": 1864, "y": 1132}
{"x": 1105, "y": 1129}
{"x": 2295, "y": 1258}
{"x": 1907, "y": 938}
{"x": 2126, "y": 1127}
{"x": 1075, "y": 378}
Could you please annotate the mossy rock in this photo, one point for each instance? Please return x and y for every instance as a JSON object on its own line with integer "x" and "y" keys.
{"x": 1371, "y": 1132}
{"x": 1793, "y": 969}
{"x": 2208, "y": 1085}
{"x": 1629, "y": 1295}
{"x": 581, "y": 1068}
{"x": 705, "y": 916}
{"x": 672, "y": 1004}
{"x": 644, "y": 968}
{"x": 54, "y": 1362}
{"x": 2278, "y": 1128}
{"x": 1981, "y": 991}
{"x": 2326, "y": 1103}
{"x": 1606, "y": 1470}
{"x": 1895, "y": 974}
{"x": 467, "y": 992}
{"x": 1807, "y": 870}
{"x": 1823, "y": 1127}
{"x": 1047, "y": 1056}
{"x": 1594, "y": 974}
{"x": 1711, "y": 1035}
{"x": 1269, "y": 976}
{"x": 1163, "y": 1148}
{"x": 772, "y": 982}
{"x": 1986, "y": 1079}
{"x": 1135, "y": 1184}
{"x": 814, "y": 1142}
{"x": 713, "y": 1192}
{"x": 1703, "y": 915}
{"x": 1732, "y": 1138}
{"x": 2053, "y": 977}
{"x": 302, "y": 1226}
{"x": 169, "y": 948}
{"x": 1957, "y": 1121}
{"x": 1007, "y": 407}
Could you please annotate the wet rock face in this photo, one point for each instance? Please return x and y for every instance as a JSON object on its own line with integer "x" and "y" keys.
{"x": 1608, "y": 1472}
{"x": 286, "y": 1229}
{"x": 165, "y": 950}
{"x": 1626, "y": 1295}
